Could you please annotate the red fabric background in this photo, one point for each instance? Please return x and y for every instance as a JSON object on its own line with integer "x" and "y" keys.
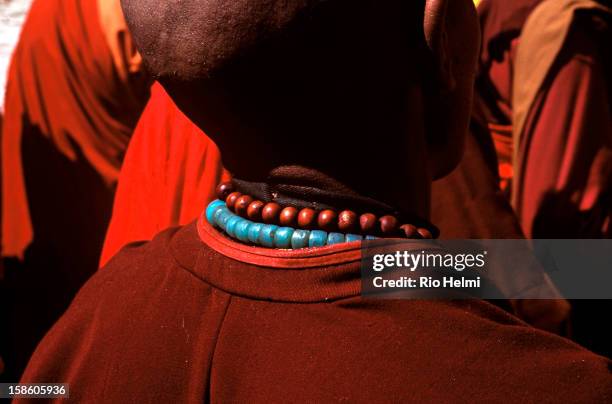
{"x": 67, "y": 109}
{"x": 170, "y": 173}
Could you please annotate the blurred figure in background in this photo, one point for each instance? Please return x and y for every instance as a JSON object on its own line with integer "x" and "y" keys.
{"x": 12, "y": 16}
{"x": 563, "y": 121}
{"x": 552, "y": 93}
{"x": 543, "y": 86}
{"x": 75, "y": 91}
{"x": 501, "y": 26}
{"x": 469, "y": 202}
{"x": 562, "y": 139}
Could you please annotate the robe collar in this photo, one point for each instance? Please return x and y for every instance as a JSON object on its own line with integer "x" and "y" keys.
{"x": 309, "y": 275}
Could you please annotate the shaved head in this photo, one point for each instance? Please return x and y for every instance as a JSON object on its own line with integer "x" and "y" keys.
{"x": 191, "y": 39}
{"x": 352, "y": 88}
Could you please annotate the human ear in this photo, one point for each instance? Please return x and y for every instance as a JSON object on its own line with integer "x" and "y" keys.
{"x": 436, "y": 36}
{"x": 453, "y": 39}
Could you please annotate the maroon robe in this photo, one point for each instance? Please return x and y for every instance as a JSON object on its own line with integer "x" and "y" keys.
{"x": 192, "y": 318}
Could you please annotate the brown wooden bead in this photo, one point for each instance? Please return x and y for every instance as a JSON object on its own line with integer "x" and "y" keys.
{"x": 327, "y": 220}
{"x": 347, "y": 221}
{"x": 270, "y": 212}
{"x": 367, "y": 223}
{"x": 424, "y": 233}
{"x": 224, "y": 189}
{"x": 254, "y": 210}
{"x": 388, "y": 224}
{"x": 242, "y": 204}
{"x": 410, "y": 231}
{"x": 306, "y": 218}
{"x": 231, "y": 199}
{"x": 288, "y": 216}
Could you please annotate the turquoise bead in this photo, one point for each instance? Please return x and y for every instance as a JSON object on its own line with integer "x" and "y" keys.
{"x": 254, "y": 230}
{"x": 353, "y": 237}
{"x": 242, "y": 230}
{"x": 266, "y": 235}
{"x": 222, "y": 218}
{"x": 282, "y": 237}
{"x": 212, "y": 208}
{"x": 335, "y": 238}
{"x": 317, "y": 238}
{"x": 299, "y": 239}
{"x": 217, "y": 215}
{"x": 231, "y": 225}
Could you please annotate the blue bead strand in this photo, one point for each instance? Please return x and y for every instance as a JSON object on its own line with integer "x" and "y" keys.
{"x": 300, "y": 239}
{"x": 231, "y": 225}
{"x": 282, "y": 237}
{"x": 318, "y": 238}
{"x": 266, "y": 235}
{"x": 212, "y": 209}
{"x": 272, "y": 236}
{"x": 254, "y": 231}
{"x": 335, "y": 238}
{"x": 242, "y": 230}
{"x": 353, "y": 237}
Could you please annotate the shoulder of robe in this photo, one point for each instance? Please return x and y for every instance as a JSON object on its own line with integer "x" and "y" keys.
{"x": 106, "y": 333}
{"x": 176, "y": 246}
{"x": 487, "y": 354}
{"x": 135, "y": 277}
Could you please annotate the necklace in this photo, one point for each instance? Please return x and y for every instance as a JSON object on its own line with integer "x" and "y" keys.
{"x": 270, "y": 225}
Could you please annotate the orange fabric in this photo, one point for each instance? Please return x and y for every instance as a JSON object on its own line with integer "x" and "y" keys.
{"x": 502, "y": 137}
{"x": 170, "y": 173}
{"x": 67, "y": 102}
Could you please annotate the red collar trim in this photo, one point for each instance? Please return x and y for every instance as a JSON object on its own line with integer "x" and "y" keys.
{"x": 273, "y": 258}
{"x": 309, "y": 275}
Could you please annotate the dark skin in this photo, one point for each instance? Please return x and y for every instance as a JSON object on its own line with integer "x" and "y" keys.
{"x": 367, "y": 97}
